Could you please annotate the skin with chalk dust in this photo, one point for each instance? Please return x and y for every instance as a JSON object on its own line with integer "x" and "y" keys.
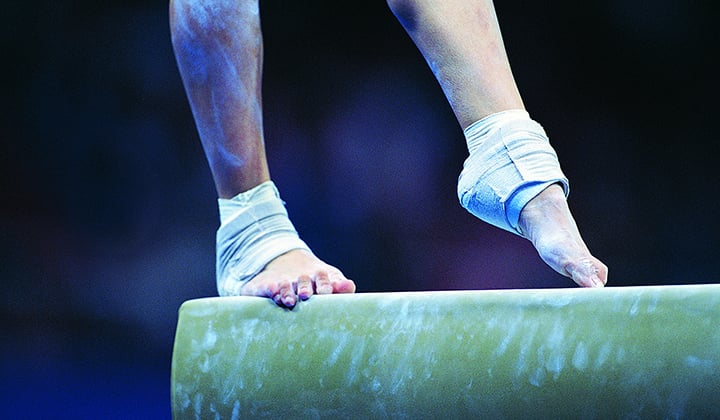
{"x": 218, "y": 45}
{"x": 209, "y": 38}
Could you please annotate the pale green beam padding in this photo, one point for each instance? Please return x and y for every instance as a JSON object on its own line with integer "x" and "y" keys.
{"x": 634, "y": 352}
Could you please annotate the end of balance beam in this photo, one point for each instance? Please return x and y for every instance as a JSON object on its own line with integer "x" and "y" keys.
{"x": 645, "y": 352}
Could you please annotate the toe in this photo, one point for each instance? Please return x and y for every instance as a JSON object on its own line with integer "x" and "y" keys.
{"x": 340, "y": 284}
{"x": 287, "y": 296}
{"x": 587, "y": 272}
{"x": 304, "y": 287}
{"x": 322, "y": 283}
{"x": 281, "y": 291}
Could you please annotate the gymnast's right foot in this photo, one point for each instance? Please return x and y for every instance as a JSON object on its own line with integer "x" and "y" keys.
{"x": 295, "y": 276}
{"x": 512, "y": 179}
{"x": 546, "y": 221}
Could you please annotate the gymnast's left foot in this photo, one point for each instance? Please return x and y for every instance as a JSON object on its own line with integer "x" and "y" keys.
{"x": 546, "y": 221}
{"x": 297, "y": 275}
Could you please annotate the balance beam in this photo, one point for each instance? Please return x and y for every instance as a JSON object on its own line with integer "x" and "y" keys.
{"x": 630, "y": 352}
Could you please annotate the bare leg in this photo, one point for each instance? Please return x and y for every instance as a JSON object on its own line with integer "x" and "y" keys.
{"x": 462, "y": 43}
{"x": 218, "y": 46}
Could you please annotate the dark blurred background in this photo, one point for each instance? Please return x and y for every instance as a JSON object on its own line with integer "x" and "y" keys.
{"x": 109, "y": 211}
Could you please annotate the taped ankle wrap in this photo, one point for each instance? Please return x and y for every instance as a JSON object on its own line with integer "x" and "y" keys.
{"x": 511, "y": 161}
{"x": 254, "y": 230}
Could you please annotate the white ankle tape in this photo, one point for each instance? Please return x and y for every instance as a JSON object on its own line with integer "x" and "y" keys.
{"x": 254, "y": 230}
{"x": 511, "y": 161}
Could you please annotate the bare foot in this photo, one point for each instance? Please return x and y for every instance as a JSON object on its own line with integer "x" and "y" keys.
{"x": 297, "y": 275}
{"x": 546, "y": 221}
